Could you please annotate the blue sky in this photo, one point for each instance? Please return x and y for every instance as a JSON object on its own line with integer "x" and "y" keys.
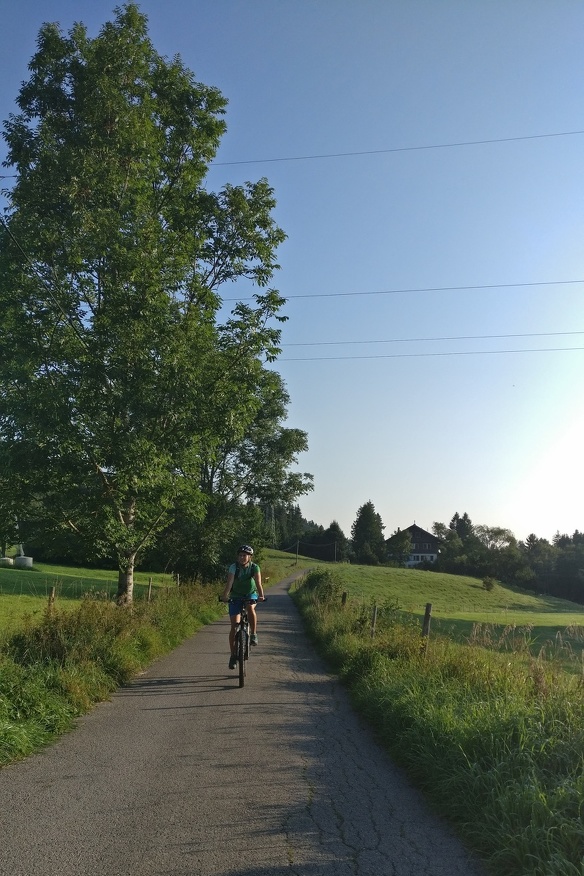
{"x": 351, "y": 108}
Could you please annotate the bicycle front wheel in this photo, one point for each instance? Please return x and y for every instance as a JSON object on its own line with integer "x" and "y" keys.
{"x": 241, "y": 655}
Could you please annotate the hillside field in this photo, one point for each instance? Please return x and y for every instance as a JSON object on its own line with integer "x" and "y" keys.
{"x": 465, "y": 611}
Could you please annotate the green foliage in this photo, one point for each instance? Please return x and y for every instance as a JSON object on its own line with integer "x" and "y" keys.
{"x": 324, "y": 586}
{"x": 32, "y": 708}
{"x": 494, "y": 552}
{"x": 367, "y": 536}
{"x": 323, "y": 544}
{"x": 494, "y": 740}
{"x": 399, "y": 547}
{"x": 201, "y": 550}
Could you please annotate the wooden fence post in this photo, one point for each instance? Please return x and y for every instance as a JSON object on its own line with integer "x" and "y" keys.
{"x": 51, "y": 598}
{"x": 374, "y": 620}
{"x": 426, "y": 627}
{"x": 149, "y": 589}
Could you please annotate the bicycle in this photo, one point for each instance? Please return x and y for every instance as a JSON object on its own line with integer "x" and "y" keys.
{"x": 242, "y": 636}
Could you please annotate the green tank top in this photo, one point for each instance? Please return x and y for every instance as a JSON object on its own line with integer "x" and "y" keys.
{"x": 243, "y": 581}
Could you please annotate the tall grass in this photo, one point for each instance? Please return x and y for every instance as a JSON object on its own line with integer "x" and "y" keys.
{"x": 494, "y": 737}
{"x": 54, "y": 670}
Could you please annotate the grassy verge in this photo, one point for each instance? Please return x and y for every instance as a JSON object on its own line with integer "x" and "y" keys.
{"x": 55, "y": 669}
{"x": 495, "y": 740}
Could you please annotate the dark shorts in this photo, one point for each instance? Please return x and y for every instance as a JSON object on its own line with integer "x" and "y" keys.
{"x": 236, "y": 603}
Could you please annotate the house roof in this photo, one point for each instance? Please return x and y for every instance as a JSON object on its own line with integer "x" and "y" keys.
{"x": 417, "y": 532}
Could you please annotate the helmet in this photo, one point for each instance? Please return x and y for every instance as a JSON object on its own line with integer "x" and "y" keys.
{"x": 245, "y": 549}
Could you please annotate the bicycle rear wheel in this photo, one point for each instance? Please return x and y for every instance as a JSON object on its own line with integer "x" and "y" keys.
{"x": 241, "y": 655}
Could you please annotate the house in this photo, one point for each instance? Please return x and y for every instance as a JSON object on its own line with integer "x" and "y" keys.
{"x": 425, "y": 546}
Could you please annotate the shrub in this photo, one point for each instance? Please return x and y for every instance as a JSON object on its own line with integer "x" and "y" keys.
{"x": 324, "y": 586}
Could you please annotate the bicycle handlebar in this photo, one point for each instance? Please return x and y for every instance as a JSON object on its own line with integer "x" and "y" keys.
{"x": 241, "y": 599}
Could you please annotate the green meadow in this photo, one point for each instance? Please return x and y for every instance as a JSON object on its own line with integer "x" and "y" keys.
{"x": 24, "y": 593}
{"x": 462, "y": 609}
{"x": 459, "y": 603}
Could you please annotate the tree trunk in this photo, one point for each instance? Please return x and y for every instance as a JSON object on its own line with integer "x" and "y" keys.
{"x": 125, "y": 593}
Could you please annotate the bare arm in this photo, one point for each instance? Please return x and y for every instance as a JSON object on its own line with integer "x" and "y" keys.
{"x": 258, "y": 580}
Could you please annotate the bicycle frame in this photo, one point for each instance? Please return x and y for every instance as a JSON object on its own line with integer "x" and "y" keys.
{"x": 242, "y": 642}
{"x": 242, "y": 637}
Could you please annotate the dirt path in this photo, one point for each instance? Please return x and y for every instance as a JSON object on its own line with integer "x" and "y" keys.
{"x": 185, "y": 773}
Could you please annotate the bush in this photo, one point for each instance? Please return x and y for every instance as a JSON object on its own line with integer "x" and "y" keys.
{"x": 324, "y": 586}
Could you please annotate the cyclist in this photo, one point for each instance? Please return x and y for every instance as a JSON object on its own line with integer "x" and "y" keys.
{"x": 244, "y": 583}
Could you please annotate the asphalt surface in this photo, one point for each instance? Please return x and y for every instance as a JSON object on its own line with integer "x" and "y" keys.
{"x": 183, "y": 772}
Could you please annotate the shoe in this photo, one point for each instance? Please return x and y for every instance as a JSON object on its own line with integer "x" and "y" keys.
{"x": 233, "y": 662}
{"x": 254, "y": 638}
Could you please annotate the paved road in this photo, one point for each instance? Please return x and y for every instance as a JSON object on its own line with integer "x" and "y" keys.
{"x": 185, "y": 773}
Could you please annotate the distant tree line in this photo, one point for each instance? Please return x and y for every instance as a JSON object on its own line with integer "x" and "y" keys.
{"x": 555, "y": 567}
{"x": 365, "y": 546}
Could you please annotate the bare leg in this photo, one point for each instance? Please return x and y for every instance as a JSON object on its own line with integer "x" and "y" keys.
{"x": 234, "y": 621}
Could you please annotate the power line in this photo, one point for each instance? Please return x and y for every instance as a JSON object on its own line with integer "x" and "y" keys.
{"x": 397, "y": 149}
{"x": 422, "y": 289}
{"x": 414, "y": 340}
{"x": 429, "y": 146}
{"x": 424, "y": 355}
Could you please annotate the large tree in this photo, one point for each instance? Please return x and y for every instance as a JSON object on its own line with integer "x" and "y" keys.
{"x": 121, "y": 397}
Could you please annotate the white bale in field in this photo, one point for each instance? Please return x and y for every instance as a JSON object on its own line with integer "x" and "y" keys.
{"x": 23, "y": 562}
